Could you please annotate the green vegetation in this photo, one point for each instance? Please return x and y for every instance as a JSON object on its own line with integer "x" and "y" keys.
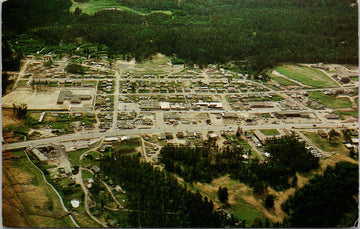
{"x": 75, "y": 68}
{"x": 306, "y": 75}
{"x": 330, "y": 100}
{"x": 324, "y": 144}
{"x": 253, "y": 35}
{"x": 158, "y": 198}
{"x": 271, "y": 132}
{"x": 39, "y": 205}
{"x": 347, "y": 113}
{"x": 337, "y": 190}
{"x": 283, "y": 81}
{"x": 93, "y": 6}
{"x": 74, "y": 156}
{"x": 206, "y": 162}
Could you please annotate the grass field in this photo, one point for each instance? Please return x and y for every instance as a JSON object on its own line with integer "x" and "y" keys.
{"x": 94, "y": 6}
{"x": 283, "y": 81}
{"x": 330, "y": 100}
{"x": 74, "y": 156}
{"x": 157, "y": 65}
{"x": 270, "y": 132}
{"x": 27, "y": 200}
{"x": 347, "y": 113}
{"x": 324, "y": 144}
{"x": 306, "y": 75}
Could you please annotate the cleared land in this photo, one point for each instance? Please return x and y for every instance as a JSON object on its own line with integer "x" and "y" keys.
{"x": 27, "y": 200}
{"x": 306, "y": 75}
{"x": 283, "y": 81}
{"x": 94, "y": 6}
{"x": 324, "y": 144}
{"x": 330, "y": 100}
{"x": 270, "y": 132}
{"x": 354, "y": 113}
{"x": 159, "y": 64}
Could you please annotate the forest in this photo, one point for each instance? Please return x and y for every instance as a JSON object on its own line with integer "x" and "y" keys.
{"x": 254, "y": 35}
{"x": 208, "y": 162}
{"x": 328, "y": 200}
{"x": 157, "y": 199}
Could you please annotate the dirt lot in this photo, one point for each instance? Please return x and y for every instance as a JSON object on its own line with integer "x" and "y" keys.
{"x": 8, "y": 118}
{"x": 43, "y": 100}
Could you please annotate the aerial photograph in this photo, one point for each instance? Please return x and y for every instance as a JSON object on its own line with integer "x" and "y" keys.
{"x": 180, "y": 113}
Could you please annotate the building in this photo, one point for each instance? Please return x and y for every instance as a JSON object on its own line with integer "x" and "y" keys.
{"x": 280, "y": 114}
{"x": 164, "y": 105}
{"x": 39, "y": 155}
{"x": 322, "y": 133}
{"x": 149, "y": 105}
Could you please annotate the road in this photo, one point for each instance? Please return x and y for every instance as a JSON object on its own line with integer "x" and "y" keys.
{"x": 79, "y": 180}
{"x": 116, "y": 99}
{"x": 61, "y": 200}
{"x": 155, "y": 129}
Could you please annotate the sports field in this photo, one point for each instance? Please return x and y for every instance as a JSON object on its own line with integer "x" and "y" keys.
{"x": 306, "y": 75}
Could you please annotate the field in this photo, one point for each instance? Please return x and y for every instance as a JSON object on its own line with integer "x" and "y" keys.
{"x": 330, "y": 100}
{"x": 241, "y": 200}
{"x": 324, "y": 144}
{"x": 159, "y": 64}
{"x": 283, "y": 81}
{"x": 270, "y": 132}
{"x": 27, "y": 200}
{"x": 74, "y": 156}
{"x": 354, "y": 113}
{"x": 94, "y": 6}
{"x": 306, "y": 75}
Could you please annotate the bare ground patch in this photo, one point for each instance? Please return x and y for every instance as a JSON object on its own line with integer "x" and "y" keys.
{"x": 27, "y": 200}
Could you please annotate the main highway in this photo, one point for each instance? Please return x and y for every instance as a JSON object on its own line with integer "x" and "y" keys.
{"x": 168, "y": 128}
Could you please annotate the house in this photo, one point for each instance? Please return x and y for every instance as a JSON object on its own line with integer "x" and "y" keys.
{"x": 169, "y": 135}
{"x": 322, "y": 133}
{"x": 95, "y": 168}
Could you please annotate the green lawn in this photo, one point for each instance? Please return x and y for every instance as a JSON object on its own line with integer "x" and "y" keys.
{"x": 74, "y": 156}
{"x": 330, "y": 100}
{"x": 306, "y": 75}
{"x": 283, "y": 81}
{"x": 270, "y": 132}
{"x": 245, "y": 211}
{"x": 348, "y": 113}
{"x": 324, "y": 144}
{"x": 94, "y": 6}
{"x": 86, "y": 175}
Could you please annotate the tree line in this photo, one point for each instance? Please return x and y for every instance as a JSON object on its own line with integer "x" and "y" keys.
{"x": 255, "y": 35}
{"x": 328, "y": 200}
{"x": 156, "y": 197}
{"x": 208, "y": 162}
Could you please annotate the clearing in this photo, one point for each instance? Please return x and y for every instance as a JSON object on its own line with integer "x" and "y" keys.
{"x": 94, "y": 6}
{"x": 158, "y": 64}
{"x": 306, "y": 75}
{"x": 330, "y": 100}
{"x": 283, "y": 81}
{"x": 270, "y": 132}
{"x": 325, "y": 145}
{"x": 27, "y": 200}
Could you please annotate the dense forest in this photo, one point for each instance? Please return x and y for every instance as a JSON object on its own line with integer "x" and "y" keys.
{"x": 157, "y": 199}
{"x": 328, "y": 200}
{"x": 252, "y": 34}
{"x": 208, "y": 162}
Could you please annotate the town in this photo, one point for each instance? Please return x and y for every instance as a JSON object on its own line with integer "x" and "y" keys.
{"x": 78, "y": 109}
